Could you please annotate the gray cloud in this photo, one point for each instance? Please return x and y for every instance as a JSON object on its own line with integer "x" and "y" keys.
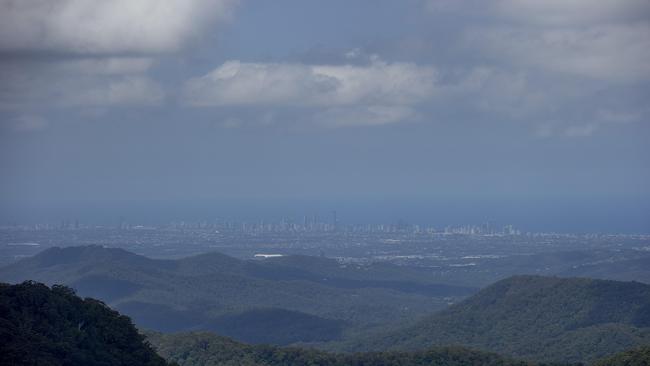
{"x": 137, "y": 90}
{"x": 71, "y": 83}
{"x": 614, "y": 53}
{"x": 524, "y": 60}
{"x": 572, "y": 13}
{"x": 94, "y": 53}
{"x": 105, "y": 65}
{"x": 605, "y": 40}
{"x": 105, "y": 27}
{"x": 540, "y": 61}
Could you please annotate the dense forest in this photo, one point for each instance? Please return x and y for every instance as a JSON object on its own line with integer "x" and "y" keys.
{"x": 634, "y": 357}
{"x": 535, "y": 318}
{"x": 53, "y": 326}
{"x": 206, "y": 349}
{"x": 44, "y": 326}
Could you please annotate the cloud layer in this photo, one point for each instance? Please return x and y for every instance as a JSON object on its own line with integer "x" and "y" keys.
{"x": 564, "y": 65}
{"x": 105, "y": 27}
{"x": 605, "y": 40}
{"x": 77, "y": 53}
{"x": 545, "y": 63}
{"x": 610, "y": 51}
{"x": 376, "y": 93}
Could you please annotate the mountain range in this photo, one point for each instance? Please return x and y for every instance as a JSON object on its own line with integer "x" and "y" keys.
{"x": 277, "y": 300}
{"x": 320, "y": 302}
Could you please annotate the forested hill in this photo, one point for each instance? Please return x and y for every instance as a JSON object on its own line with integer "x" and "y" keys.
{"x": 206, "y": 349}
{"x": 278, "y": 300}
{"x": 52, "y": 326}
{"x": 538, "y": 318}
{"x": 635, "y": 357}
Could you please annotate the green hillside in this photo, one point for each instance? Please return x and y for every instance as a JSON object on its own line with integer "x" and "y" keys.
{"x": 206, "y": 349}
{"x": 49, "y": 327}
{"x": 318, "y": 299}
{"x": 537, "y": 318}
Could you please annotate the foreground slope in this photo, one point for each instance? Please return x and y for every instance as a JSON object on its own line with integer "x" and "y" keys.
{"x": 279, "y": 301}
{"x": 206, "y": 349}
{"x": 43, "y": 326}
{"x": 533, "y": 317}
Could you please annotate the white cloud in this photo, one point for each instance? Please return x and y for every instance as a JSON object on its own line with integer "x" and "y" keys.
{"x": 379, "y": 83}
{"x": 105, "y": 27}
{"x": 342, "y": 95}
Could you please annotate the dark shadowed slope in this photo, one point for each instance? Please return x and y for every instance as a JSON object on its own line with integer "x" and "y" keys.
{"x": 43, "y": 326}
{"x": 540, "y": 318}
{"x": 224, "y": 294}
{"x": 635, "y": 357}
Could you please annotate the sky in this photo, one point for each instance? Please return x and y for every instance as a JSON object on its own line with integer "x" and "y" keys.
{"x": 431, "y": 111}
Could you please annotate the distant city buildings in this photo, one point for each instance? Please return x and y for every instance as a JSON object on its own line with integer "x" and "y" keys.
{"x": 450, "y": 247}
{"x": 311, "y": 224}
{"x": 308, "y": 224}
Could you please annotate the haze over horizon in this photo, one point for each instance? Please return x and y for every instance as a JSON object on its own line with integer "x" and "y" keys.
{"x": 435, "y": 112}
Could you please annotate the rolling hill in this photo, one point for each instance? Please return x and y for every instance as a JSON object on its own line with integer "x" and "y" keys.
{"x": 317, "y": 299}
{"x": 53, "y": 326}
{"x": 535, "y": 318}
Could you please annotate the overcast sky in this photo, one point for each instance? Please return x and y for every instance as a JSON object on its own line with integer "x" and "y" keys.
{"x": 466, "y": 109}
